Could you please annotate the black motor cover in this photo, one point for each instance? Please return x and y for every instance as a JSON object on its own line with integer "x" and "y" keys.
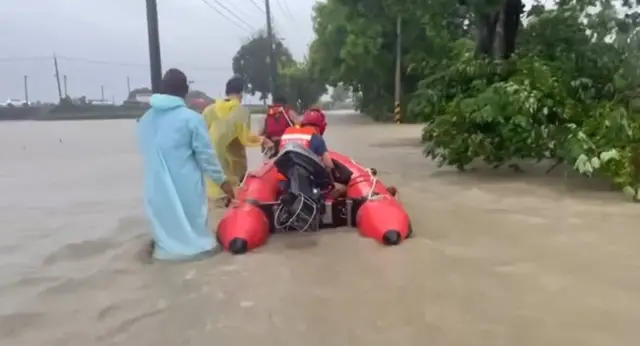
{"x": 303, "y": 168}
{"x": 305, "y": 174}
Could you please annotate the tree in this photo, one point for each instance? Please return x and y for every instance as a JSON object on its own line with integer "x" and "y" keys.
{"x": 300, "y": 87}
{"x": 251, "y": 63}
{"x": 495, "y": 20}
{"x": 568, "y": 97}
{"x": 355, "y": 38}
{"x": 350, "y": 39}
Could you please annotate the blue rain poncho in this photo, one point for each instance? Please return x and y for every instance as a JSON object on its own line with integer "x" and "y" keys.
{"x": 177, "y": 154}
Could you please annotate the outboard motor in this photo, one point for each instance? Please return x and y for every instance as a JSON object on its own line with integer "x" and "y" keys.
{"x": 302, "y": 201}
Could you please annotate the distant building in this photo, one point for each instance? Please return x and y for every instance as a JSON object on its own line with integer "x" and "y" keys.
{"x": 100, "y": 102}
{"x": 16, "y": 103}
{"x": 143, "y": 98}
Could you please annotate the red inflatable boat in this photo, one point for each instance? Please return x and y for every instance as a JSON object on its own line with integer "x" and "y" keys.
{"x": 266, "y": 204}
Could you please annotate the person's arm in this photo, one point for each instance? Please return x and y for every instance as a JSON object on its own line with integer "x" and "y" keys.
{"x": 296, "y": 118}
{"x": 206, "y": 157}
{"x": 319, "y": 147}
{"x": 329, "y": 166}
{"x": 328, "y": 163}
{"x": 244, "y": 134}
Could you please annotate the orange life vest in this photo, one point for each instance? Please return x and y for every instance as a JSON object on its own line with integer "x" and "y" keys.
{"x": 296, "y": 135}
{"x": 301, "y": 136}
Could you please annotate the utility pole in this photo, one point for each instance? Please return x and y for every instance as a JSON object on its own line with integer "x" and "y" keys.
{"x": 128, "y": 86}
{"x": 55, "y": 65}
{"x": 397, "y": 112}
{"x": 64, "y": 79}
{"x": 102, "y": 93}
{"x": 273, "y": 63}
{"x": 154, "y": 45}
{"x": 26, "y": 89}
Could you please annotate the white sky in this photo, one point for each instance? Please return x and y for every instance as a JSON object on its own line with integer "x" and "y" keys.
{"x": 193, "y": 38}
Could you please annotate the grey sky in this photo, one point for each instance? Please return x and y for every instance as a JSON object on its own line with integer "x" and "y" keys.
{"x": 193, "y": 37}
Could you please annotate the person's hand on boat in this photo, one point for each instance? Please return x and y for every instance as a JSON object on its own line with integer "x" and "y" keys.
{"x": 266, "y": 143}
{"x": 338, "y": 190}
{"x": 227, "y": 188}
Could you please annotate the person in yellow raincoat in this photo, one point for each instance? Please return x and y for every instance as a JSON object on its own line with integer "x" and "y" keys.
{"x": 228, "y": 123}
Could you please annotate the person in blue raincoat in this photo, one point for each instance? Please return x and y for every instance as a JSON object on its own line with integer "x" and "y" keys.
{"x": 177, "y": 155}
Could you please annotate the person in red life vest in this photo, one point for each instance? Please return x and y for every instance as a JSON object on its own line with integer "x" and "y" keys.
{"x": 198, "y": 104}
{"x": 309, "y": 135}
{"x": 279, "y": 118}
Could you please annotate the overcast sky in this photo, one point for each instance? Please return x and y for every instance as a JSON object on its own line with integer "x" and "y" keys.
{"x": 193, "y": 36}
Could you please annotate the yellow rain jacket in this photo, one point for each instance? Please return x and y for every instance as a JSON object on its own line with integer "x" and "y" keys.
{"x": 228, "y": 123}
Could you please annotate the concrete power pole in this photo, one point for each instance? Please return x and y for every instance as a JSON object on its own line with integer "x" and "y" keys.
{"x": 26, "y": 89}
{"x": 273, "y": 63}
{"x": 128, "y": 86}
{"x": 154, "y": 45}
{"x": 102, "y": 93}
{"x": 397, "y": 112}
{"x": 55, "y": 65}
{"x": 64, "y": 80}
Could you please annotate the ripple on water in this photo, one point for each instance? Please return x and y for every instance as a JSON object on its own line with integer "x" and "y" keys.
{"x": 18, "y": 323}
{"x": 481, "y": 256}
{"x": 121, "y": 329}
{"x": 80, "y": 251}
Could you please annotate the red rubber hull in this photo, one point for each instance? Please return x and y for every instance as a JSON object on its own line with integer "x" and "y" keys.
{"x": 245, "y": 227}
{"x": 382, "y": 217}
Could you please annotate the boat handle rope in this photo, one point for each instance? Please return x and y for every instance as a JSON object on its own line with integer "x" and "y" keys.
{"x": 374, "y": 181}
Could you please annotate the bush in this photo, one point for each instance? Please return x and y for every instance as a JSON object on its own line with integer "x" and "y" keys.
{"x": 580, "y": 108}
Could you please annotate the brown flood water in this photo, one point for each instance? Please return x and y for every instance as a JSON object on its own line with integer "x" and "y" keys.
{"x": 498, "y": 259}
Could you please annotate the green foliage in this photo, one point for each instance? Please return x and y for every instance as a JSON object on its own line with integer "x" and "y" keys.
{"x": 356, "y": 41}
{"x": 251, "y": 62}
{"x": 569, "y": 96}
{"x": 571, "y": 92}
{"x": 348, "y": 50}
{"x": 296, "y": 82}
{"x": 300, "y": 87}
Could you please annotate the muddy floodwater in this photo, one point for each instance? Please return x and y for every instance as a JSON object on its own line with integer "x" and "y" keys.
{"x": 498, "y": 259}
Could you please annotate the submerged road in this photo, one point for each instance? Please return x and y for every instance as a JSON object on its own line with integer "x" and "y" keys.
{"x": 497, "y": 259}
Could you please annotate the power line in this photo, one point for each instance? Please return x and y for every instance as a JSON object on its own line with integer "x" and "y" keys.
{"x": 105, "y": 62}
{"x": 28, "y": 58}
{"x": 101, "y": 62}
{"x": 246, "y": 13}
{"x": 255, "y": 4}
{"x": 247, "y": 26}
{"x": 119, "y": 63}
{"x": 289, "y": 19}
{"x": 285, "y": 10}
